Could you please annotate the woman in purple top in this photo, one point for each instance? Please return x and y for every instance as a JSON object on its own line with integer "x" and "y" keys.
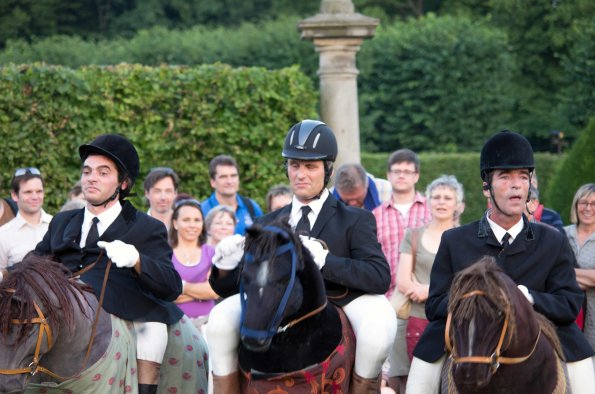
{"x": 192, "y": 258}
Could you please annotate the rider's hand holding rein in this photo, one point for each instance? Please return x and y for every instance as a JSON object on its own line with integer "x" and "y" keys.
{"x": 316, "y": 249}
{"x": 229, "y": 252}
{"x": 122, "y": 254}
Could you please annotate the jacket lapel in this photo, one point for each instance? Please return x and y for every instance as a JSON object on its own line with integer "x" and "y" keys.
{"x": 72, "y": 231}
{"x": 329, "y": 209}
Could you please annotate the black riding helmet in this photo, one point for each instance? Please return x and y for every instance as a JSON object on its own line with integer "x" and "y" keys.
{"x": 505, "y": 150}
{"x": 121, "y": 151}
{"x": 311, "y": 140}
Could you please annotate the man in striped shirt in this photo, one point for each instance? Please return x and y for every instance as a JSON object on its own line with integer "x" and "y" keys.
{"x": 406, "y": 209}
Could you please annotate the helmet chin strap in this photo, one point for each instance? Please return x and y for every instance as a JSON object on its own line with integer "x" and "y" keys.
{"x": 109, "y": 199}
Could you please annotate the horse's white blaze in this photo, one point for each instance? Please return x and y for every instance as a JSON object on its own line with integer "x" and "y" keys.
{"x": 471, "y": 337}
{"x": 262, "y": 276}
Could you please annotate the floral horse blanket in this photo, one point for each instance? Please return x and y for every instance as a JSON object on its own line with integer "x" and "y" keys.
{"x": 184, "y": 369}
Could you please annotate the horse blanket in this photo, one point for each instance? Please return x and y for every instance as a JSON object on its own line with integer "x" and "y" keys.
{"x": 333, "y": 375}
{"x": 184, "y": 368}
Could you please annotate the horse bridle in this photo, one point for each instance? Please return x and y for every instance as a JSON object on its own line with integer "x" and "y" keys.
{"x": 496, "y": 358}
{"x": 44, "y": 328}
{"x": 44, "y": 331}
{"x": 289, "y": 246}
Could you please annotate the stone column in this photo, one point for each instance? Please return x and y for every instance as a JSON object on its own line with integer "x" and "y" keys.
{"x": 337, "y": 32}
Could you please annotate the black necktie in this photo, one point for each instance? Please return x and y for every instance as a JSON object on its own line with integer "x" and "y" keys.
{"x": 303, "y": 226}
{"x": 505, "y": 243}
{"x": 93, "y": 235}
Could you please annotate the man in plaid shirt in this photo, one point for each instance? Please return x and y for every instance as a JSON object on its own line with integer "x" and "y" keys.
{"x": 406, "y": 209}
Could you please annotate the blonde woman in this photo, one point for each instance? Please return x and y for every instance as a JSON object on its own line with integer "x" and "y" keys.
{"x": 445, "y": 199}
{"x": 581, "y": 236}
{"x": 220, "y": 223}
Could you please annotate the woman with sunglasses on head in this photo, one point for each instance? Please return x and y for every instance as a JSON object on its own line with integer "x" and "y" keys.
{"x": 581, "y": 236}
{"x": 192, "y": 258}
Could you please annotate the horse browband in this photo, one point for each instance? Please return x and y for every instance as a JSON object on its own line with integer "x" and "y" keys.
{"x": 495, "y": 359}
{"x": 44, "y": 327}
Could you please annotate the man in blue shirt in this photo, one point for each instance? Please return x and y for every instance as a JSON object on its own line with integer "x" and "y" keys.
{"x": 225, "y": 180}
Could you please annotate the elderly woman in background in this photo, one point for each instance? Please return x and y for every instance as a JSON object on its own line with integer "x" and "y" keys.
{"x": 192, "y": 258}
{"x": 446, "y": 201}
{"x": 581, "y": 236}
{"x": 220, "y": 223}
{"x": 277, "y": 197}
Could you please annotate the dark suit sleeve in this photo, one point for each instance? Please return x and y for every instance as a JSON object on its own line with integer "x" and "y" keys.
{"x": 440, "y": 281}
{"x": 365, "y": 268}
{"x": 562, "y": 298}
{"x": 158, "y": 274}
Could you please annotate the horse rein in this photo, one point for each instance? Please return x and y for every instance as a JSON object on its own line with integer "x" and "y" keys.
{"x": 44, "y": 328}
{"x": 496, "y": 358}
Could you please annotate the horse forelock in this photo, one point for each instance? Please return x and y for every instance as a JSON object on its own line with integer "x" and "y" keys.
{"x": 492, "y": 306}
{"x": 43, "y": 281}
{"x": 262, "y": 244}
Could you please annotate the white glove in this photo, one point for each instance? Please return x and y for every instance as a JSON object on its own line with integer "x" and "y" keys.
{"x": 229, "y": 252}
{"x": 122, "y": 254}
{"x": 1, "y": 276}
{"x": 316, "y": 249}
{"x": 526, "y": 293}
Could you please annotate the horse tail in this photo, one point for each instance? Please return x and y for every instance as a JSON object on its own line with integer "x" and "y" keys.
{"x": 549, "y": 330}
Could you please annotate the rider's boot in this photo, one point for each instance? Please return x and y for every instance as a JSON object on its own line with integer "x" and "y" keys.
{"x": 360, "y": 385}
{"x": 398, "y": 383}
{"x": 147, "y": 388}
{"x": 227, "y": 384}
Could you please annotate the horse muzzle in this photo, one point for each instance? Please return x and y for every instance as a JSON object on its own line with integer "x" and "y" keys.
{"x": 257, "y": 345}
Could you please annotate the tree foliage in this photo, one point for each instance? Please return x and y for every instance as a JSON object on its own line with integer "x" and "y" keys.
{"x": 576, "y": 170}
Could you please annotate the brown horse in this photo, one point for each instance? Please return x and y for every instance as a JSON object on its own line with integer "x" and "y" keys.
{"x": 497, "y": 342}
{"x": 46, "y": 325}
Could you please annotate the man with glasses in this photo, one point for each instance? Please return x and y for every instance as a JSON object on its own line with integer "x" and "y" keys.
{"x": 161, "y": 190}
{"x": 20, "y": 235}
{"x": 356, "y": 188}
{"x": 407, "y": 208}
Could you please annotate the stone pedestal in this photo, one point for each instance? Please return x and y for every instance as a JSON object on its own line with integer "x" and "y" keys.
{"x": 337, "y": 33}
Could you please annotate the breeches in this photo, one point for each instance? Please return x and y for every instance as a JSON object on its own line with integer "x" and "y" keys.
{"x": 424, "y": 377}
{"x": 151, "y": 341}
{"x": 371, "y": 316}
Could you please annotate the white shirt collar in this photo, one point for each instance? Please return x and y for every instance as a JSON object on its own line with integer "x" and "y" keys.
{"x": 316, "y": 206}
{"x": 499, "y": 232}
{"x": 20, "y": 221}
{"x": 106, "y": 218}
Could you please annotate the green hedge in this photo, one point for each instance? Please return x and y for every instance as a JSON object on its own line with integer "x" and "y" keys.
{"x": 176, "y": 116}
{"x": 577, "y": 169}
{"x": 465, "y": 166}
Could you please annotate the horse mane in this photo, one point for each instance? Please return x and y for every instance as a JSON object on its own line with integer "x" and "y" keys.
{"x": 549, "y": 330}
{"x": 486, "y": 276}
{"x": 266, "y": 242}
{"x": 38, "y": 279}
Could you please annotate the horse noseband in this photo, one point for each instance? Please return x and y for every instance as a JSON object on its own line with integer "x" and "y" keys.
{"x": 496, "y": 358}
{"x": 44, "y": 328}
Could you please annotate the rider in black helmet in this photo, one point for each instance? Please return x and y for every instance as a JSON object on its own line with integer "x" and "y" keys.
{"x": 537, "y": 257}
{"x": 143, "y": 283}
{"x": 353, "y": 267}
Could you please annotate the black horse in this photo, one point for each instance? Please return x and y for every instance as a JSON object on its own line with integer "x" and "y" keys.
{"x": 498, "y": 343}
{"x": 286, "y": 323}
